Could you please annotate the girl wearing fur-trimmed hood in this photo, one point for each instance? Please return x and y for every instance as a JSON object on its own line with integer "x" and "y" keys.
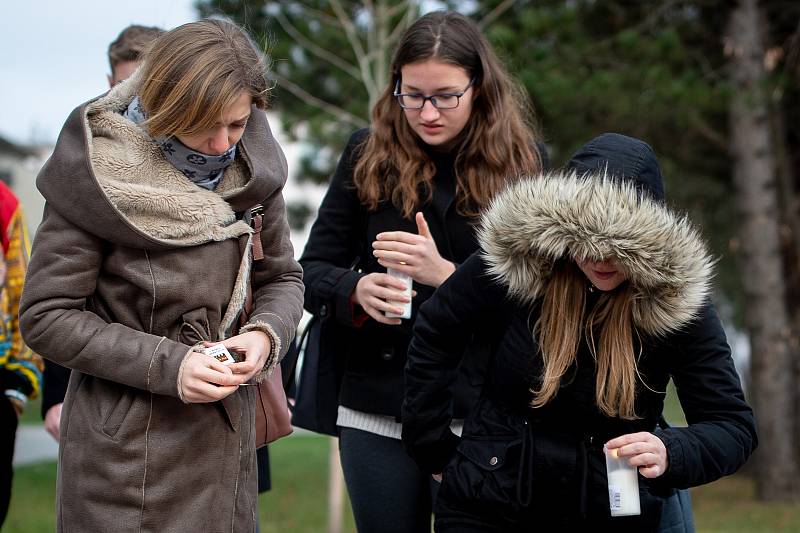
{"x": 593, "y": 295}
{"x": 141, "y": 258}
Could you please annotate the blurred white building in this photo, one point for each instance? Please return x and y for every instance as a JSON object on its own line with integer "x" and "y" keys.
{"x": 19, "y": 166}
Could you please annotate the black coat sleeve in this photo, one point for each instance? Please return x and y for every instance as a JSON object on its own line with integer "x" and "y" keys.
{"x": 335, "y": 243}
{"x": 721, "y": 433}
{"x": 468, "y": 301}
{"x": 54, "y": 386}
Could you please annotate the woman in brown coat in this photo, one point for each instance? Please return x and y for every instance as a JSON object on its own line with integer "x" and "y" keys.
{"x": 142, "y": 256}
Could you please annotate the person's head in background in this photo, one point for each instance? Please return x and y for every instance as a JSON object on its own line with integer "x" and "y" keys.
{"x": 126, "y": 51}
{"x": 198, "y": 83}
{"x": 447, "y": 92}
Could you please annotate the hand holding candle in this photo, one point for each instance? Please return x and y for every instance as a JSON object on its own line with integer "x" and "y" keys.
{"x": 643, "y": 450}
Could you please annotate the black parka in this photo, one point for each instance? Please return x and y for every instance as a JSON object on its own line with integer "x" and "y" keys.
{"x": 516, "y": 467}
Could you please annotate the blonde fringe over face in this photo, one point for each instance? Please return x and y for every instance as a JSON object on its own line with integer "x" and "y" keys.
{"x": 192, "y": 75}
{"x": 564, "y": 323}
{"x": 496, "y": 146}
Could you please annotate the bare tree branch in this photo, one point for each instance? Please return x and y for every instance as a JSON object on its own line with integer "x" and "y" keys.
{"x": 355, "y": 43}
{"x": 372, "y": 34}
{"x": 320, "y": 15}
{"x": 490, "y": 17}
{"x": 381, "y": 30}
{"x": 404, "y": 23}
{"x": 303, "y": 41}
{"x": 710, "y": 134}
{"x": 319, "y": 103}
{"x": 397, "y": 8}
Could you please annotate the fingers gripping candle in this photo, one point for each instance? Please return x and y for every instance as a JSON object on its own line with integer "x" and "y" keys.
{"x": 623, "y": 485}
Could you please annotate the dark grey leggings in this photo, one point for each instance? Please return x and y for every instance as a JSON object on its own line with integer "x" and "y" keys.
{"x": 388, "y": 492}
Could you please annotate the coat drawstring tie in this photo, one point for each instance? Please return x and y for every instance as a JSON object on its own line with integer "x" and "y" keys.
{"x": 583, "y": 464}
{"x": 525, "y": 475}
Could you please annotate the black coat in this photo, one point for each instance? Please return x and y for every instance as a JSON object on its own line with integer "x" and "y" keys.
{"x": 516, "y": 466}
{"x": 339, "y": 252}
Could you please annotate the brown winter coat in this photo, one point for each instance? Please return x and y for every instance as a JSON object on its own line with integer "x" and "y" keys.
{"x": 131, "y": 266}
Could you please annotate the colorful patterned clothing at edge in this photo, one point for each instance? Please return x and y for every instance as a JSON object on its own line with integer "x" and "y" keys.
{"x": 20, "y": 368}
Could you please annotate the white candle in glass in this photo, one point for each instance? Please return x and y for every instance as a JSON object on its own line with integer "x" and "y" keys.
{"x": 406, "y": 306}
{"x": 623, "y": 485}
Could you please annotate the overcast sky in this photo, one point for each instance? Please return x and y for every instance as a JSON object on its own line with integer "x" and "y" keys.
{"x": 53, "y": 56}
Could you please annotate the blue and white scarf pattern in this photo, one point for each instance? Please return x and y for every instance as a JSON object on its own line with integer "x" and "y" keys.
{"x": 202, "y": 169}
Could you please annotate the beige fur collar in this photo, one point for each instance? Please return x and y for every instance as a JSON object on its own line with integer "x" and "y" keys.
{"x": 147, "y": 190}
{"x": 537, "y": 221}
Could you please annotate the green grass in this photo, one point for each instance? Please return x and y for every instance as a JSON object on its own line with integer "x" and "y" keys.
{"x": 298, "y": 499}
{"x": 32, "y": 508}
{"x": 33, "y": 412}
{"x": 672, "y": 407}
{"x": 297, "y": 502}
{"x": 729, "y": 506}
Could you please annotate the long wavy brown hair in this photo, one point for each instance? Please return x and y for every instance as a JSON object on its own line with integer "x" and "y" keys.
{"x": 497, "y": 144}
{"x": 565, "y": 322}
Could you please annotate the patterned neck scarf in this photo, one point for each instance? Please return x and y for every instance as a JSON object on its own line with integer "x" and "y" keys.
{"x": 204, "y": 170}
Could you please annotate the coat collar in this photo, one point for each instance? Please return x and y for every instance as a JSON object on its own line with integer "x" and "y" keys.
{"x": 108, "y": 177}
{"x": 537, "y": 221}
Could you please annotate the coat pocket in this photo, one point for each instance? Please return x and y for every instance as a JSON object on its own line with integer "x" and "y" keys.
{"x": 116, "y": 416}
{"x": 484, "y": 471}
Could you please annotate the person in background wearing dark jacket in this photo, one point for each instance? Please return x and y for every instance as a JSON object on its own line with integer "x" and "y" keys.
{"x": 141, "y": 259}
{"x": 593, "y": 295}
{"x": 124, "y": 55}
{"x": 449, "y": 131}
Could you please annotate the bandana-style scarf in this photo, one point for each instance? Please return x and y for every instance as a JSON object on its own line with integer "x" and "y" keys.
{"x": 202, "y": 169}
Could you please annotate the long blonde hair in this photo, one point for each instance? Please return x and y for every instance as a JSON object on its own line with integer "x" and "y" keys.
{"x": 193, "y": 73}
{"x": 496, "y": 144}
{"x": 565, "y": 322}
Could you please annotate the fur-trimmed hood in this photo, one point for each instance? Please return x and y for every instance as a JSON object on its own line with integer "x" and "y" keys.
{"x": 109, "y": 178}
{"x": 537, "y": 221}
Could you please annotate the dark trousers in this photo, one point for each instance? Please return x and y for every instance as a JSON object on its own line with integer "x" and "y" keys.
{"x": 387, "y": 490}
{"x": 8, "y": 423}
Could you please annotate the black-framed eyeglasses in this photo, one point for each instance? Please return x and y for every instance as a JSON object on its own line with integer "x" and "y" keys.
{"x": 439, "y": 101}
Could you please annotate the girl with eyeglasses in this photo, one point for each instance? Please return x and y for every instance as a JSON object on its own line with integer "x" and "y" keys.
{"x": 450, "y": 130}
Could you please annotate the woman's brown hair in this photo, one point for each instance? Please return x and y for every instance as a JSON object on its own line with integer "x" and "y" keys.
{"x": 193, "y": 73}
{"x": 565, "y": 322}
{"x": 497, "y": 144}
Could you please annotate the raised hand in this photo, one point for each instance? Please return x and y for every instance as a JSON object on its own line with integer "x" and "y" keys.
{"x": 415, "y": 255}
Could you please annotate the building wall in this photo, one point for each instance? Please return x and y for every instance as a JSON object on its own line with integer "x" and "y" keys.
{"x": 23, "y": 171}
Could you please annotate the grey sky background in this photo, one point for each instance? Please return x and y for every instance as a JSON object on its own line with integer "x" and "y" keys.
{"x": 53, "y": 56}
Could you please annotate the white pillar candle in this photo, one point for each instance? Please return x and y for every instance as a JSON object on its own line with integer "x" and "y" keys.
{"x": 405, "y": 278}
{"x": 623, "y": 485}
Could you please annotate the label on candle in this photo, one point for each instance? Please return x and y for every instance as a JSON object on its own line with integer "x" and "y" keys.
{"x": 615, "y": 498}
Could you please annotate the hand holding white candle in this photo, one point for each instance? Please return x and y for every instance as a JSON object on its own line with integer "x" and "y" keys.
{"x": 623, "y": 485}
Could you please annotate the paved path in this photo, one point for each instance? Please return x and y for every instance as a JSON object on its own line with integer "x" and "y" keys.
{"x": 34, "y": 444}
